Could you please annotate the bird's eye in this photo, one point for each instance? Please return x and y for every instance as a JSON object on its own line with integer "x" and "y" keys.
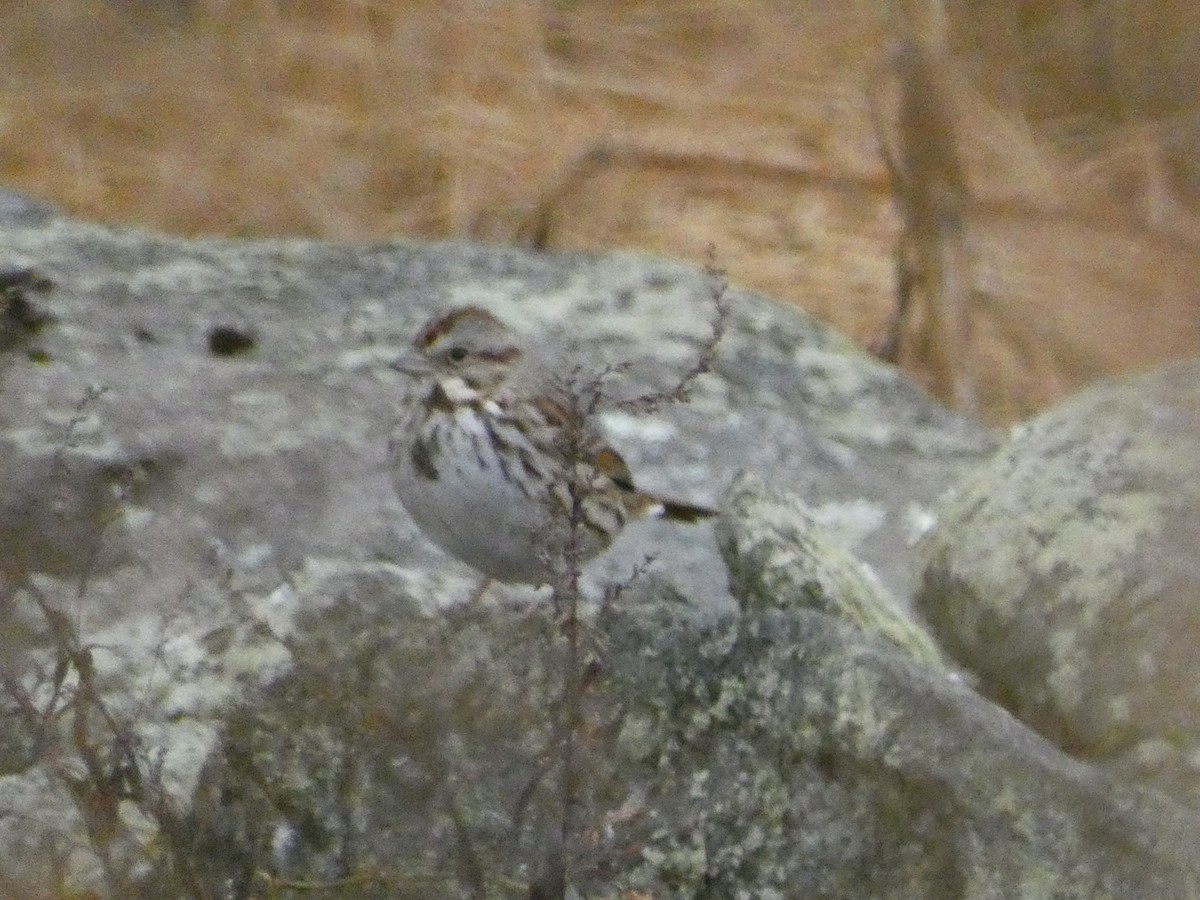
{"x": 456, "y": 354}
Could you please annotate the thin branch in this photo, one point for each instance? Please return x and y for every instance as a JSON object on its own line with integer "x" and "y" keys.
{"x": 706, "y": 353}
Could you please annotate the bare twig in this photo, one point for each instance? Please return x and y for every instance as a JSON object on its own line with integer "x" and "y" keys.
{"x": 91, "y": 394}
{"x": 930, "y": 189}
{"x": 706, "y": 353}
{"x": 614, "y": 592}
{"x": 113, "y": 764}
{"x": 472, "y": 866}
{"x": 581, "y": 397}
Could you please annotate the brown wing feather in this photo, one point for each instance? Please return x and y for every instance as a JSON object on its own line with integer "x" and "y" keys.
{"x": 608, "y": 462}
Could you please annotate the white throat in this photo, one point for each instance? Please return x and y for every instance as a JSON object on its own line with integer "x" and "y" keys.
{"x": 457, "y": 390}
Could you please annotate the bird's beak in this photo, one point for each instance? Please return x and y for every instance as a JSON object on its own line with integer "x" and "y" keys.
{"x": 411, "y": 363}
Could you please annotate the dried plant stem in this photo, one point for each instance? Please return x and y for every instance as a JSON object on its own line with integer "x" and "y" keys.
{"x": 930, "y": 189}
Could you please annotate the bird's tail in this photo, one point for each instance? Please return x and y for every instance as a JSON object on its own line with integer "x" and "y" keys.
{"x": 684, "y": 512}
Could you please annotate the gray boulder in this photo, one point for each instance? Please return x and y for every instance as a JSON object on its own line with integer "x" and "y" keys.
{"x": 229, "y": 664}
{"x": 1065, "y": 573}
{"x": 765, "y": 754}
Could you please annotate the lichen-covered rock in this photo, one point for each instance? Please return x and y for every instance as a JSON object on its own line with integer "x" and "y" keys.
{"x": 764, "y": 754}
{"x": 779, "y": 557}
{"x": 1066, "y": 573}
{"x": 252, "y": 666}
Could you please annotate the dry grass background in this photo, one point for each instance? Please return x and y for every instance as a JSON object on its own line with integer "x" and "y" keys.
{"x": 664, "y": 125}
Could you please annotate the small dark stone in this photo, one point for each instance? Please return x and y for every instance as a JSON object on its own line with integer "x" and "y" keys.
{"x": 28, "y": 279}
{"x": 19, "y": 316}
{"x": 230, "y": 340}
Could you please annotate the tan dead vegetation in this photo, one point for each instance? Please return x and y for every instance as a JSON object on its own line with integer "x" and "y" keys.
{"x": 664, "y": 126}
